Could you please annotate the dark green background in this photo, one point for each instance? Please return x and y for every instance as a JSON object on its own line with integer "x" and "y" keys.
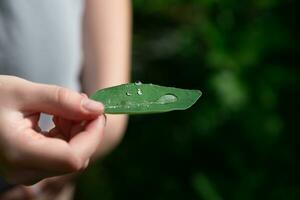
{"x": 241, "y": 140}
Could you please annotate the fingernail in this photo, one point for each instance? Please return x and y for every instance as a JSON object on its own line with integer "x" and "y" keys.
{"x": 92, "y": 106}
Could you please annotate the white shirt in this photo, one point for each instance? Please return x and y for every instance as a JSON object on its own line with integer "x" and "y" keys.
{"x": 40, "y": 40}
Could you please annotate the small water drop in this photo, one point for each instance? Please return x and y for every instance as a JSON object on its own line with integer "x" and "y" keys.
{"x": 167, "y": 98}
{"x": 138, "y": 83}
{"x": 139, "y": 92}
{"x": 128, "y": 94}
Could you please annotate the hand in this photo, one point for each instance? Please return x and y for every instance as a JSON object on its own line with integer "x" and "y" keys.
{"x": 26, "y": 155}
{"x": 55, "y": 188}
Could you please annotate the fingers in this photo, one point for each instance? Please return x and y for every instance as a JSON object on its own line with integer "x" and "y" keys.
{"x": 57, "y": 133}
{"x": 55, "y": 156}
{"x": 26, "y": 148}
{"x": 32, "y": 120}
{"x": 44, "y": 153}
{"x": 86, "y": 143}
{"x": 49, "y": 188}
{"x": 83, "y": 137}
{"x": 16, "y": 193}
{"x": 54, "y": 185}
{"x": 62, "y": 128}
{"x": 26, "y": 176}
{"x": 62, "y": 102}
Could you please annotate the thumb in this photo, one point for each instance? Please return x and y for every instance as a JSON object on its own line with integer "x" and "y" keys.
{"x": 60, "y": 101}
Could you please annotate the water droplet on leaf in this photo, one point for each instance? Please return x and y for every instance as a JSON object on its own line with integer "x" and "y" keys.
{"x": 138, "y": 83}
{"x": 139, "y": 92}
{"x": 167, "y": 98}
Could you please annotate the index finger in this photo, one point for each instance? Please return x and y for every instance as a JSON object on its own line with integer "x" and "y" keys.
{"x": 86, "y": 142}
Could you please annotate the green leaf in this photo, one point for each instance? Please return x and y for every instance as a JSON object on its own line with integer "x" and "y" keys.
{"x": 137, "y": 98}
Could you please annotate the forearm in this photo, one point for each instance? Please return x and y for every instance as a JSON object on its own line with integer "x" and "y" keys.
{"x": 107, "y": 39}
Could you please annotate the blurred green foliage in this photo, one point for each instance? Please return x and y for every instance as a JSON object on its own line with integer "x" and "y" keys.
{"x": 240, "y": 141}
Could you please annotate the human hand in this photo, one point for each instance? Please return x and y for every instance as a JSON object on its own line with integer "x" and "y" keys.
{"x": 26, "y": 155}
{"x": 54, "y": 188}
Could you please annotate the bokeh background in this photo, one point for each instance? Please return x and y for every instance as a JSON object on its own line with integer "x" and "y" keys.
{"x": 242, "y": 139}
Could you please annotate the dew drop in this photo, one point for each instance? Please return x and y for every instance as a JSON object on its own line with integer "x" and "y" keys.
{"x": 128, "y": 94}
{"x": 139, "y": 92}
{"x": 138, "y": 83}
{"x": 167, "y": 98}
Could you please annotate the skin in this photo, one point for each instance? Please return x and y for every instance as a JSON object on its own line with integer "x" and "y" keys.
{"x": 107, "y": 47}
{"x": 26, "y": 154}
{"x": 107, "y": 32}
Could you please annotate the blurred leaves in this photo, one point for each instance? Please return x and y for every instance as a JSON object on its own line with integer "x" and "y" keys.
{"x": 205, "y": 188}
{"x": 241, "y": 140}
{"x": 229, "y": 90}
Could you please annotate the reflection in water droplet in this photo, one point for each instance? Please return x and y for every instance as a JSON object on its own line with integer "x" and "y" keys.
{"x": 139, "y": 92}
{"x": 167, "y": 98}
{"x": 128, "y": 94}
{"x": 138, "y": 83}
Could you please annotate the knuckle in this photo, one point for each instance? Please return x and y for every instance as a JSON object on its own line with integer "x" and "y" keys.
{"x": 61, "y": 94}
{"x": 75, "y": 164}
